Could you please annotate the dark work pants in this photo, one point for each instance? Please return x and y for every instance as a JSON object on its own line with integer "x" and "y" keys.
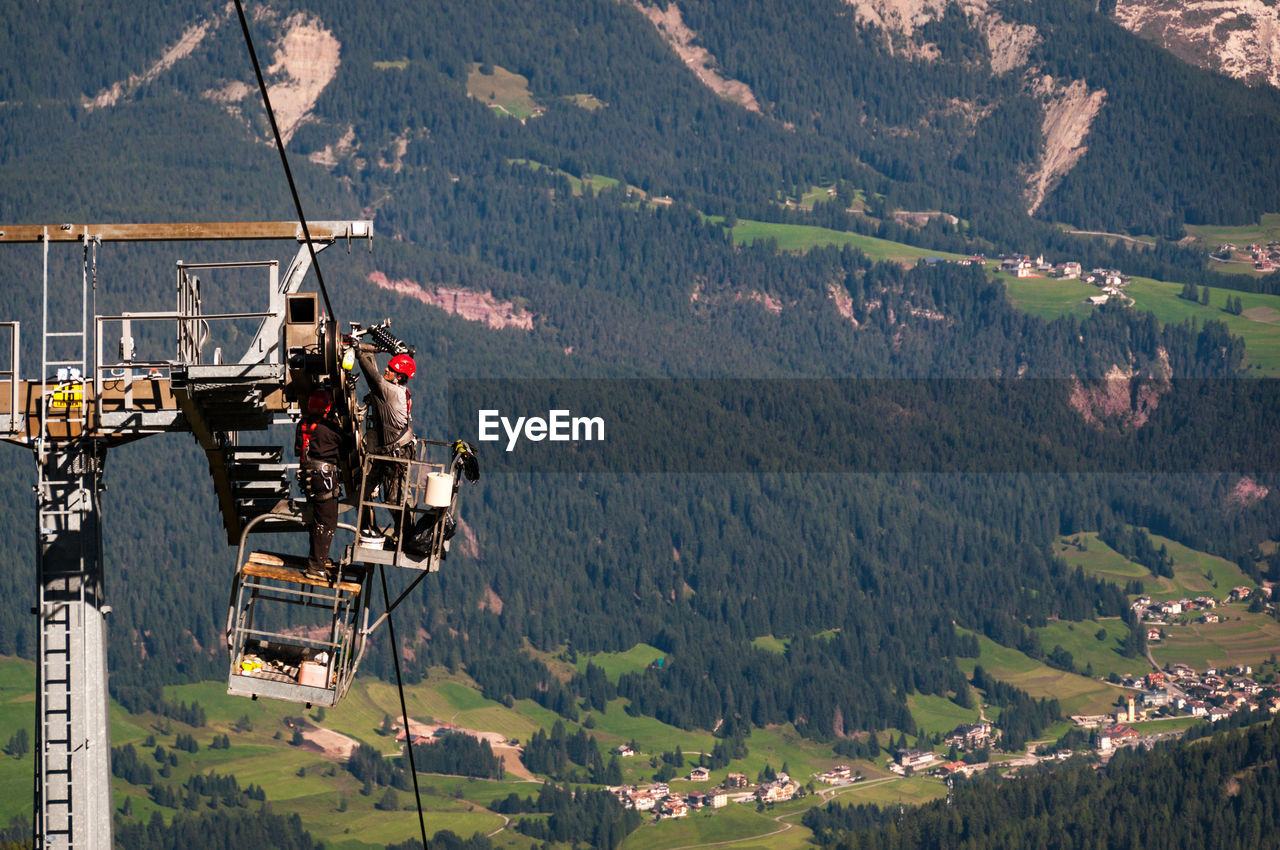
{"x": 323, "y": 525}
{"x": 390, "y": 478}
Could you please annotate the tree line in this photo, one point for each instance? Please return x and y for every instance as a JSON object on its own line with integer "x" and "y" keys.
{"x": 1219, "y": 792}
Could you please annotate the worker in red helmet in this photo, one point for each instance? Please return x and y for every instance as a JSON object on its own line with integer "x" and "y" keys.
{"x": 318, "y": 443}
{"x": 390, "y": 431}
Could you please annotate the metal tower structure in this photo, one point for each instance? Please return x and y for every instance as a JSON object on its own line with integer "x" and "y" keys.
{"x": 80, "y": 406}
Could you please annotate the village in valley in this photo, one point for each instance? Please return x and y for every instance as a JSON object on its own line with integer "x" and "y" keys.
{"x": 1264, "y": 257}
{"x": 772, "y": 787}
{"x": 1213, "y": 694}
{"x": 1202, "y": 628}
{"x": 1177, "y": 691}
{"x": 1110, "y": 282}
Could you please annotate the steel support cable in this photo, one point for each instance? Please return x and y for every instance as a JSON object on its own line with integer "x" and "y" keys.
{"x": 404, "y": 709}
{"x": 284, "y": 158}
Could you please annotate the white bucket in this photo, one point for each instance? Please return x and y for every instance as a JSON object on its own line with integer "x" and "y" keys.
{"x": 439, "y": 489}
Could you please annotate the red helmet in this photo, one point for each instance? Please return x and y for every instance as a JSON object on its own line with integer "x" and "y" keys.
{"x": 319, "y": 402}
{"x": 403, "y": 364}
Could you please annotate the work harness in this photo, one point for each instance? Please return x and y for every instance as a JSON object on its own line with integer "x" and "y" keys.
{"x": 317, "y": 478}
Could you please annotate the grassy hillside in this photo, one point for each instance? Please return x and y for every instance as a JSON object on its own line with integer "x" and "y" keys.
{"x": 1241, "y": 637}
{"x": 1087, "y": 650}
{"x": 1267, "y": 229}
{"x": 503, "y": 91}
{"x": 17, "y": 714}
{"x": 615, "y": 664}
{"x": 1258, "y": 325}
{"x": 1194, "y": 573}
{"x": 802, "y": 237}
{"x": 307, "y": 780}
{"x": 1088, "y": 552}
{"x": 1076, "y": 694}
{"x": 935, "y": 714}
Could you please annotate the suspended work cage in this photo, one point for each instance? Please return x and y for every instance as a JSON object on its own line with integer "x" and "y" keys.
{"x": 292, "y": 635}
{"x": 299, "y": 636}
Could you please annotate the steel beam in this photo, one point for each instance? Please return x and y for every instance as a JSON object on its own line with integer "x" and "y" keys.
{"x": 327, "y": 231}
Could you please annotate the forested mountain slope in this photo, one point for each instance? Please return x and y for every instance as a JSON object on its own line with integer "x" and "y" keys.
{"x": 986, "y": 109}
{"x": 1219, "y": 792}
{"x": 112, "y": 117}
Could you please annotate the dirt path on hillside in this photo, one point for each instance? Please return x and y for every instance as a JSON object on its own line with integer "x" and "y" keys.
{"x": 1133, "y": 240}
{"x": 511, "y": 762}
{"x": 509, "y": 753}
{"x": 333, "y": 744}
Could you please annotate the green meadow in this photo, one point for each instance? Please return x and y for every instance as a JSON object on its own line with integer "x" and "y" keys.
{"x": 1048, "y": 298}
{"x": 17, "y": 712}
{"x": 1240, "y": 638}
{"x": 588, "y": 102}
{"x": 1195, "y": 573}
{"x": 811, "y": 196}
{"x": 733, "y": 823}
{"x": 788, "y": 237}
{"x": 1213, "y": 235}
{"x": 504, "y": 91}
{"x": 1087, "y": 551}
{"x": 1081, "y": 640}
{"x": 592, "y": 184}
{"x": 1258, "y": 325}
{"x": 803, "y": 237}
{"x": 1166, "y": 724}
{"x": 911, "y": 790}
{"x": 1075, "y": 694}
{"x": 615, "y": 664}
{"x": 769, "y": 643}
{"x": 939, "y": 714}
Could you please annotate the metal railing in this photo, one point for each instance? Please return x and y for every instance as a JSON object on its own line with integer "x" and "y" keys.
{"x": 193, "y": 326}
{"x": 408, "y": 514}
{"x": 192, "y": 334}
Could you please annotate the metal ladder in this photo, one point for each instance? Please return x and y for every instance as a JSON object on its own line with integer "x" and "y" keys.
{"x": 72, "y": 372}
{"x": 71, "y": 730}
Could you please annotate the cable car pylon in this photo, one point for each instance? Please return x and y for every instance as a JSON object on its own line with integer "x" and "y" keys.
{"x": 84, "y": 402}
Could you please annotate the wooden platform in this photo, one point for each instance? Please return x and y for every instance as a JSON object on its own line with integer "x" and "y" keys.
{"x": 290, "y": 568}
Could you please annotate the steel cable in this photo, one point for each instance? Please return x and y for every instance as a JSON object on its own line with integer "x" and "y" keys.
{"x": 284, "y": 159}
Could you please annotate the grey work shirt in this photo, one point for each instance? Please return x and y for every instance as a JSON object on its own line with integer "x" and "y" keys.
{"x": 388, "y": 402}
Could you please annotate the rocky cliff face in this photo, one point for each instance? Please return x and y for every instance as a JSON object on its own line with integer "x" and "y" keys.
{"x": 1125, "y": 397}
{"x": 304, "y": 59}
{"x": 1240, "y": 38}
{"x": 1070, "y": 106}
